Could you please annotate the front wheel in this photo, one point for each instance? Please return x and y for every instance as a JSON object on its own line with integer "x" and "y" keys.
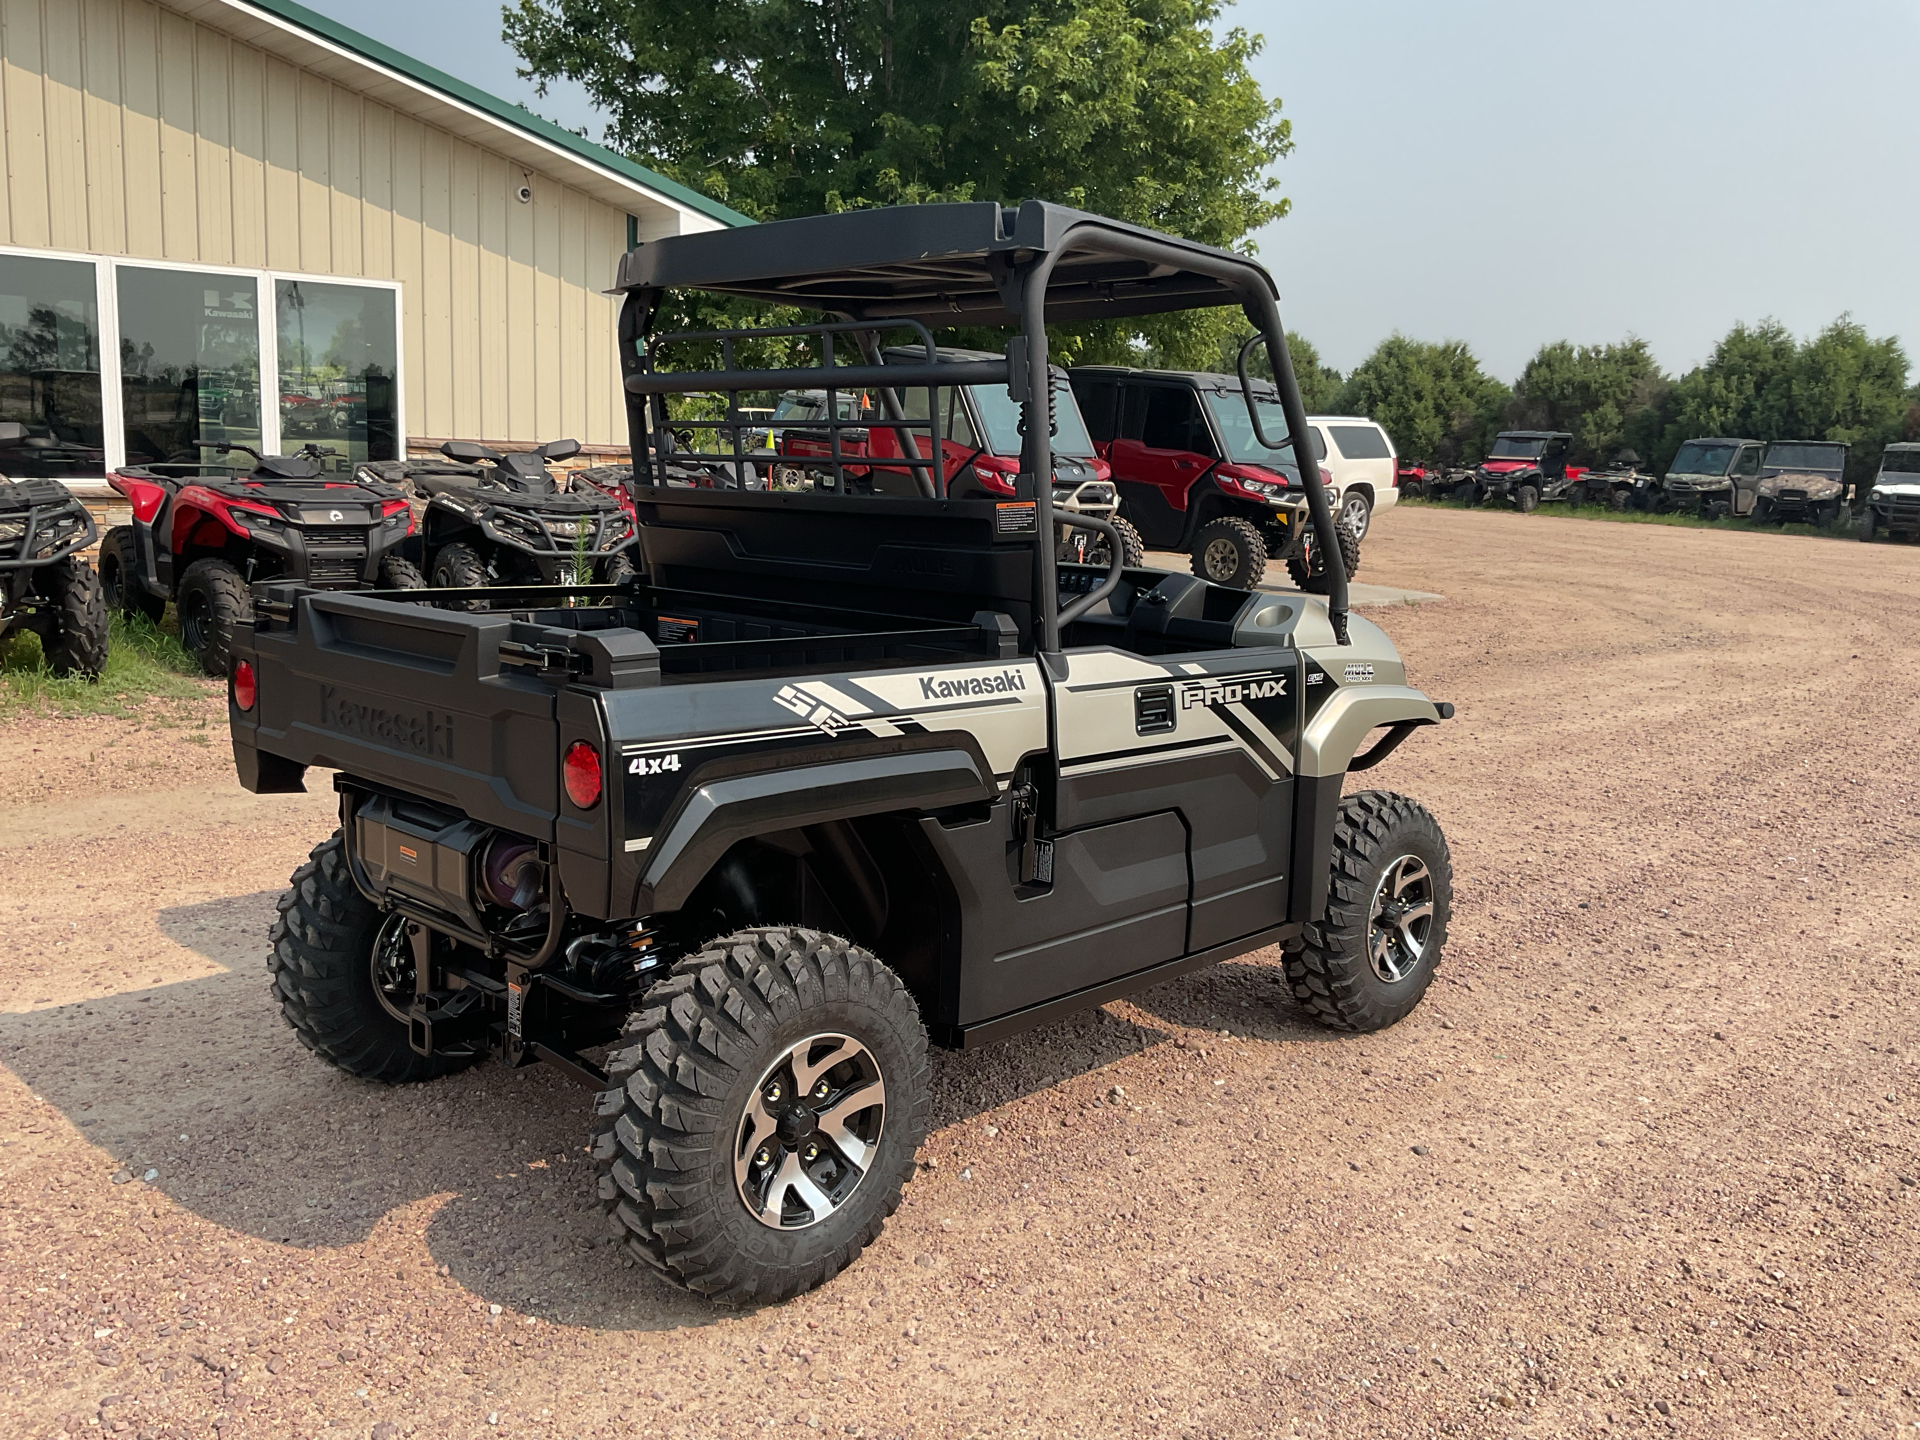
{"x": 1370, "y": 960}
{"x": 764, "y": 1114}
{"x": 1617, "y": 500}
{"x": 1305, "y": 569}
{"x": 1466, "y": 492}
{"x": 459, "y": 567}
{"x": 618, "y": 570}
{"x": 1867, "y": 524}
{"x": 1762, "y": 511}
{"x": 343, "y": 974}
{"x": 1527, "y": 499}
{"x": 1230, "y": 552}
{"x": 214, "y": 605}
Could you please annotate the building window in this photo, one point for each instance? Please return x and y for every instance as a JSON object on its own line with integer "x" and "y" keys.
{"x": 339, "y": 360}
{"x": 50, "y": 367}
{"x": 189, "y": 364}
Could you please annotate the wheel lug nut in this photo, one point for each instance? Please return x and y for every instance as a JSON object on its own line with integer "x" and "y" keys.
{"x": 821, "y": 1090}
{"x": 812, "y": 1152}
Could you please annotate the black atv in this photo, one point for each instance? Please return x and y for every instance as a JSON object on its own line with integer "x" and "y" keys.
{"x": 496, "y": 519}
{"x": 200, "y": 539}
{"x": 46, "y": 585}
{"x": 1623, "y": 485}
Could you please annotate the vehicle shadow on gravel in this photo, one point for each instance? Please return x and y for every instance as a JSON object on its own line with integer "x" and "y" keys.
{"x": 490, "y": 1162}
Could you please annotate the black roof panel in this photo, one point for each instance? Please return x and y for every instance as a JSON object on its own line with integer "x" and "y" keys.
{"x": 942, "y": 264}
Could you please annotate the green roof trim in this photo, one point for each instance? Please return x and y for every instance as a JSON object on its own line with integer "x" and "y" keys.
{"x": 505, "y": 111}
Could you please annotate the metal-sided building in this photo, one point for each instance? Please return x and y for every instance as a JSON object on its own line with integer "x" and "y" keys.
{"x": 235, "y": 220}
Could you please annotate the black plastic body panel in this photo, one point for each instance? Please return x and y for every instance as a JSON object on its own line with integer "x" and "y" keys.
{"x": 1117, "y": 903}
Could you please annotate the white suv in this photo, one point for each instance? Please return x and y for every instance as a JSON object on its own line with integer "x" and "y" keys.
{"x": 1360, "y": 457}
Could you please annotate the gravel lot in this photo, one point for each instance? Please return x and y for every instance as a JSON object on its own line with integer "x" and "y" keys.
{"x": 1643, "y": 1163}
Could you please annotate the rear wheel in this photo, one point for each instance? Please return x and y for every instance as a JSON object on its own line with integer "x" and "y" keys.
{"x": 1305, "y": 567}
{"x": 1356, "y": 510}
{"x": 764, "y": 1115}
{"x": 343, "y": 974}
{"x": 213, "y": 605}
{"x": 120, "y": 586}
{"x": 1527, "y": 499}
{"x": 1229, "y": 551}
{"x": 79, "y": 645}
{"x": 1369, "y": 961}
{"x": 398, "y": 573}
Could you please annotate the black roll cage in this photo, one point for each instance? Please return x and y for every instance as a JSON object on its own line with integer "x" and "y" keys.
{"x": 958, "y": 264}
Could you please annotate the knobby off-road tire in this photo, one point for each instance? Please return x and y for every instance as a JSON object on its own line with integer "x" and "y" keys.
{"x": 76, "y": 642}
{"x": 675, "y": 1139}
{"x": 459, "y": 567}
{"x": 1305, "y": 569}
{"x": 1370, "y": 960}
{"x": 399, "y": 573}
{"x": 618, "y": 570}
{"x": 1617, "y": 500}
{"x": 1467, "y": 493}
{"x": 1133, "y": 550}
{"x": 1866, "y": 524}
{"x": 1230, "y": 551}
{"x": 323, "y": 965}
{"x": 120, "y": 576}
{"x": 213, "y": 604}
{"x": 1526, "y": 499}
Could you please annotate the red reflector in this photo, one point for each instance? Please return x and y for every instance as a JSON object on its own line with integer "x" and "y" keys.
{"x": 244, "y": 690}
{"x": 582, "y": 772}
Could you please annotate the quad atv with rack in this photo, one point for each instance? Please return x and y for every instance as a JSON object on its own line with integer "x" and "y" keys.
{"x": 46, "y": 585}
{"x": 838, "y": 775}
{"x": 200, "y": 539}
{"x": 490, "y": 518}
{"x": 1623, "y": 485}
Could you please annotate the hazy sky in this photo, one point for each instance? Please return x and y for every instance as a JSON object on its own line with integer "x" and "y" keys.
{"x": 1507, "y": 173}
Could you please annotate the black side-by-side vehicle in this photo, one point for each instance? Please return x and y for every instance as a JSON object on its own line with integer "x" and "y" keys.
{"x": 46, "y": 585}
{"x": 837, "y": 774}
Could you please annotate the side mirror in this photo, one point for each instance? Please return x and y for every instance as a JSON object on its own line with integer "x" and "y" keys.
{"x": 467, "y": 452}
{"x": 12, "y": 432}
{"x": 1246, "y": 394}
{"x": 560, "y": 449}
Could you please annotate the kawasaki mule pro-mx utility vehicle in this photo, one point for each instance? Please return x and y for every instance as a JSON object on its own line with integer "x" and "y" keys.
{"x": 836, "y": 775}
{"x": 46, "y": 585}
{"x": 201, "y": 539}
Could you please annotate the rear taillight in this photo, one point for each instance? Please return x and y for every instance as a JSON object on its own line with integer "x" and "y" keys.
{"x": 582, "y": 773}
{"x": 245, "y": 692}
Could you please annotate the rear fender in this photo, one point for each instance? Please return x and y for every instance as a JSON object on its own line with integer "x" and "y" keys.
{"x": 716, "y": 814}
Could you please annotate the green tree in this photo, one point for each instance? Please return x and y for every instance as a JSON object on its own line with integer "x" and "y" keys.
{"x": 1137, "y": 109}
{"x": 1594, "y": 392}
{"x": 1433, "y": 399}
{"x": 1762, "y": 383}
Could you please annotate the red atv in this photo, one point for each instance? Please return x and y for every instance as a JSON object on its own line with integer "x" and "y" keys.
{"x": 200, "y": 540}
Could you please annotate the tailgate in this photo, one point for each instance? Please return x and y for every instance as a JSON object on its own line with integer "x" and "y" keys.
{"x": 408, "y": 697}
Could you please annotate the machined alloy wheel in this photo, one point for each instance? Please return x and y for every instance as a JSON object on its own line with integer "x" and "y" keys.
{"x": 1220, "y": 559}
{"x": 1357, "y": 511}
{"x": 811, "y": 1127}
{"x": 762, "y": 1113}
{"x": 1367, "y": 961}
{"x": 1402, "y": 918}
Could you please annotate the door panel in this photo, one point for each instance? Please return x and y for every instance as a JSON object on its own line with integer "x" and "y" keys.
{"x": 1118, "y": 904}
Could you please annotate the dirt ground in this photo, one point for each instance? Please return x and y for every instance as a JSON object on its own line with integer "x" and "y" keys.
{"x": 1644, "y": 1162}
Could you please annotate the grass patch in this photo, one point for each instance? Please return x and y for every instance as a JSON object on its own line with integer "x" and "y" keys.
{"x": 145, "y": 664}
{"x": 1646, "y": 517}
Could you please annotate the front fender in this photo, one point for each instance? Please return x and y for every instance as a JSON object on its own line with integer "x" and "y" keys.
{"x": 1350, "y": 714}
{"x": 718, "y": 814}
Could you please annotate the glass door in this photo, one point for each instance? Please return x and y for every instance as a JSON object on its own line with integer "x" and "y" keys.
{"x": 339, "y": 362}
{"x": 189, "y": 365}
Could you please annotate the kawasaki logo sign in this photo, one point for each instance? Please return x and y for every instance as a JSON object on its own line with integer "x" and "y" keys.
{"x": 1268, "y": 686}
{"x": 934, "y": 687}
{"x": 426, "y": 731}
